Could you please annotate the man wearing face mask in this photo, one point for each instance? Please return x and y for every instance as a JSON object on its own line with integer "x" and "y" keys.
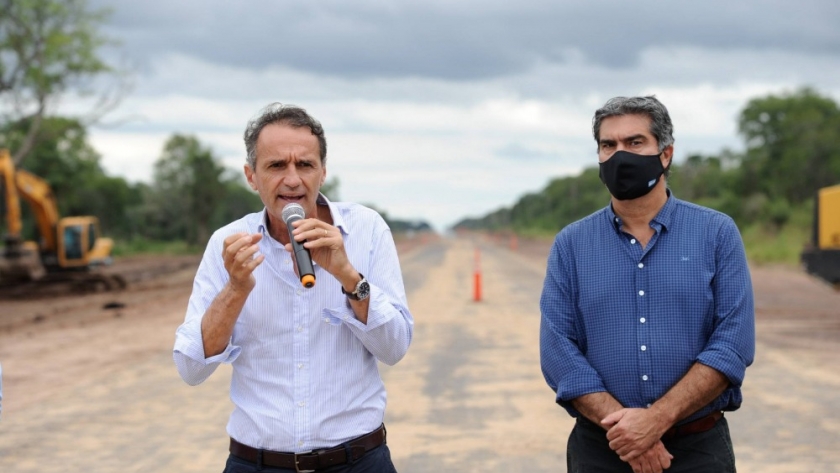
{"x": 647, "y": 312}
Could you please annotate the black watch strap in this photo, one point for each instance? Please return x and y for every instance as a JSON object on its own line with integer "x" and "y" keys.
{"x": 354, "y": 295}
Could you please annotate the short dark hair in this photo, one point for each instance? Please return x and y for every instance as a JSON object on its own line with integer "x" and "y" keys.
{"x": 660, "y": 122}
{"x": 286, "y": 114}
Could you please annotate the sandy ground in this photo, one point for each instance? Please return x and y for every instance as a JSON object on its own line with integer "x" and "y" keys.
{"x": 94, "y": 389}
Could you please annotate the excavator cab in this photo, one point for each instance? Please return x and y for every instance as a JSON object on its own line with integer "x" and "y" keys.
{"x": 79, "y": 243}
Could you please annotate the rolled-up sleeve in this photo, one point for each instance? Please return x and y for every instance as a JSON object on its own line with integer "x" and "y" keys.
{"x": 188, "y": 352}
{"x": 731, "y": 347}
{"x": 390, "y": 325}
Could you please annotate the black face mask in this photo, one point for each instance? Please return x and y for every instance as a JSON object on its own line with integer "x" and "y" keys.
{"x": 630, "y": 176}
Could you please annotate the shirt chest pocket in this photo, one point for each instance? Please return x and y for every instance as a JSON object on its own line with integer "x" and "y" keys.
{"x": 331, "y": 317}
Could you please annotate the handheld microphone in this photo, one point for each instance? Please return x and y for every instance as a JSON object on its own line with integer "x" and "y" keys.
{"x": 292, "y": 213}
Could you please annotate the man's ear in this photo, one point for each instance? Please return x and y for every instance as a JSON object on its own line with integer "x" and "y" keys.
{"x": 667, "y": 156}
{"x": 249, "y": 175}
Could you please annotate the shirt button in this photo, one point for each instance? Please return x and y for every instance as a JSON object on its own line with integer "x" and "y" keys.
{"x": 641, "y": 293}
{"x": 641, "y": 265}
{"x": 649, "y": 404}
{"x": 644, "y": 377}
{"x": 642, "y": 320}
{"x": 300, "y": 444}
{"x": 644, "y": 348}
{"x": 299, "y": 328}
{"x": 300, "y": 366}
{"x": 301, "y": 404}
{"x": 299, "y": 292}
{"x": 633, "y": 241}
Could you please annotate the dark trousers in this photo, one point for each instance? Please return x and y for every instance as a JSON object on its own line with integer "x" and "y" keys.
{"x": 589, "y": 451}
{"x": 377, "y": 460}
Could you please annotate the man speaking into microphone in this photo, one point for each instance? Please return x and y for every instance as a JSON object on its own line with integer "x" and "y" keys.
{"x": 304, "y": 347}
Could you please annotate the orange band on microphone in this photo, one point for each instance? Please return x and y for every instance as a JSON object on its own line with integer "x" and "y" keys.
{"x": 308, "y": 280}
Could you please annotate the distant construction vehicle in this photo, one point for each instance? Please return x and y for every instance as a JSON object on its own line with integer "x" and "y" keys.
{"x": 822, "y": 256}
{"x": 69, "y": 250}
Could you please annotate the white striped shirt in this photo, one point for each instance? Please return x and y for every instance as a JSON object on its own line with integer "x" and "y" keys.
{"x": 305, "y": 370}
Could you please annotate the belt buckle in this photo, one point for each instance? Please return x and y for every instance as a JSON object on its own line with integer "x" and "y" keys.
{"x": 297, "y": 466}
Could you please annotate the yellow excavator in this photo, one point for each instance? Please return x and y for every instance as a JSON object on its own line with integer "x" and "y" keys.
{"x": 70, "y": 249}
{"x": 822, "y": 256}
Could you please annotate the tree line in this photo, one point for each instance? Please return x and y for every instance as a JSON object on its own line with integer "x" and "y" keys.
{"x": 191, "y": 193}
{"x": 792, "y": 149}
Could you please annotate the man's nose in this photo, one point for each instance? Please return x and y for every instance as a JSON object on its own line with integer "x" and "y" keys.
{"x": 291, "y": 178}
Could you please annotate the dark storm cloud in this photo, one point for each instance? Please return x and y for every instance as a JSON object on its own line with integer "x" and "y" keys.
{"x": 460, "y": 40}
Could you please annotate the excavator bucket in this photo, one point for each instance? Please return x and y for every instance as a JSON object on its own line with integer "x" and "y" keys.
{"x": 20, "y": 263}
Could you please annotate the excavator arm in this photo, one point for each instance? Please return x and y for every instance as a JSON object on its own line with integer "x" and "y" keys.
{"x": 11, "y": 202}
{"x": 19, "y": 259}
{"x": 37, "y": 192}
{"x": 20, "y": 183}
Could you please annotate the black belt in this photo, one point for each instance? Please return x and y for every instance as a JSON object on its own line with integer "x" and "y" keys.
{"x": 345, "y": 453}
{"x": 696, "y": 426}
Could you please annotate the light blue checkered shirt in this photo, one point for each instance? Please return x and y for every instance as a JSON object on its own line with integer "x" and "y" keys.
{"x": 631, "y": 321}
{"x": 305, "y": 370}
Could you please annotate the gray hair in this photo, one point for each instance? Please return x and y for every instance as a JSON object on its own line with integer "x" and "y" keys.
{"x": 660, "y": 122}
{"x": 285, "y": 114}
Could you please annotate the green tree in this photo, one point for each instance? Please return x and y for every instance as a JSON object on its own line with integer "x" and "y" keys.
{"x": 64, "y": 158}
{"x": 711, "y": 181}
{"x": 563, "y": 201}
{"x": 793, "y": 145}
{"x": 698, "y": 177}
{"x": 240, "y": 200}
{"x": 188, "y": 187}
{"x": 48, "y": 48}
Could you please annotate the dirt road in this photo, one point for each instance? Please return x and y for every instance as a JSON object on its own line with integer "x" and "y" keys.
{"x": 91, "y": 389}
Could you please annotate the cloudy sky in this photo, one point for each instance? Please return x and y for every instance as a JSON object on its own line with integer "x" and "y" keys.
{"x": 442, "y": 110}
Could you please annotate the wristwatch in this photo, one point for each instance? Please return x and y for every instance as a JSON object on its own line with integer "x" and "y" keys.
{"x": 361, "y": 292}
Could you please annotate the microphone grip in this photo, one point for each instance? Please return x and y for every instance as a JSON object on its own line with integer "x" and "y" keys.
{"x": 303, "y": 259}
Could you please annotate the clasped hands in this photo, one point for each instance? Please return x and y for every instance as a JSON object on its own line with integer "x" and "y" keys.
{"x": 635, "y": 435}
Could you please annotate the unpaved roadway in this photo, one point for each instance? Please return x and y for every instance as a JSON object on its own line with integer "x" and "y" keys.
{"x": 94, "y": 389}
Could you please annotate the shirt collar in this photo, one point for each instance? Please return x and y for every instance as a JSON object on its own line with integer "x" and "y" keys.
{"x": 666, "y": 213}
{"x": 338, "y": 221}
{"x": 337, "y": 218}
{"x": 663, "y": 218}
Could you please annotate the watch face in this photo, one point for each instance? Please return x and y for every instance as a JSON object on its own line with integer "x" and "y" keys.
{"x": 363, "y": 290}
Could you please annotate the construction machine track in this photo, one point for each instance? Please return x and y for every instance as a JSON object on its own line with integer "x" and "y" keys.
{"x": 60, "y": 284}
{"x": 125, "y": 272}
